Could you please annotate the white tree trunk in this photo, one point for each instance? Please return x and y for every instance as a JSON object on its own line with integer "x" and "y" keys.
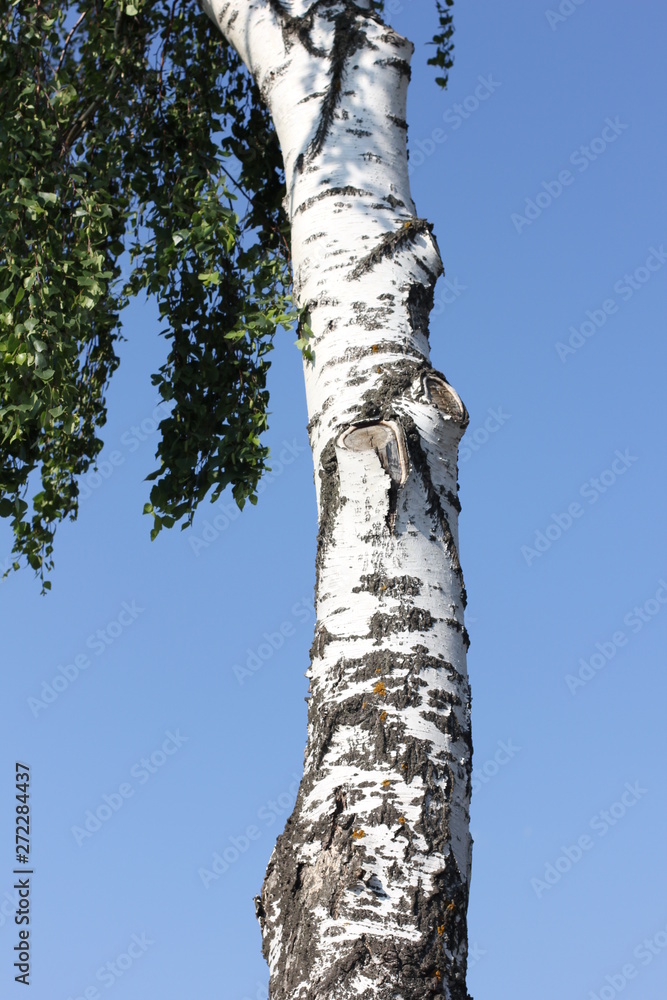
{"x": 366, "y": 892}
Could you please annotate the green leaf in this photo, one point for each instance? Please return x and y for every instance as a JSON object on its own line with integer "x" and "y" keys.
{"x": 210, "y": 277}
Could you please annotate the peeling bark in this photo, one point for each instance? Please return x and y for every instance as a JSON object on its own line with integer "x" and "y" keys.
{"x": 366, "y": 892}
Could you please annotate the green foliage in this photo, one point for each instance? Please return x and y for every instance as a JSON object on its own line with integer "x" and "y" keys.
{"x": 305, "y": 333}
{"x": 444, "y": 46}
{"x": 131, "y": 129}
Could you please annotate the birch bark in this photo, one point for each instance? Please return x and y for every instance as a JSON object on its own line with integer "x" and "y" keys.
{"x": 366, "y": 892}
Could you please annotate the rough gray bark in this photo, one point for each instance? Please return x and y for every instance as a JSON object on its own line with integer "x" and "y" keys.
{"x": 366, "y": 892}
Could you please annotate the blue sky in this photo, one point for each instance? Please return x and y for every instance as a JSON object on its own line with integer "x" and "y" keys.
{"x": 182, "y": 720}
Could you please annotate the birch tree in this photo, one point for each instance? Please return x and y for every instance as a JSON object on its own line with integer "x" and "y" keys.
{"x": 150, "y": 130}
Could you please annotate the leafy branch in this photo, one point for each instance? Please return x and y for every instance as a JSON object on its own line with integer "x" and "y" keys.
{"x": 107, "y": 155}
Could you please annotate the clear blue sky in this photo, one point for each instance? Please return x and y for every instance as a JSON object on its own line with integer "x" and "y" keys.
{"x": 542, "y": 168}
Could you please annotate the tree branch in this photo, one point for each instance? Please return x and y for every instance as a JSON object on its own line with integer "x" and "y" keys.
{"x": 67, "y": 41}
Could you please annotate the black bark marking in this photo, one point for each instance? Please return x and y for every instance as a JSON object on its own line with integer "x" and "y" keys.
{"x": 361, "y": 353}
{"x": 333, "y": 192}
{"x": 322, "y": 639}
{"x": 340, "y": 803}
{"x": 447, "y": 724}
{"x": 390, "y": 243}
{"x": 399, "y": 122}
{"x": 330, "y": 501}
{"x": 408, "y": 619}
{"x": 385, "y": 586}
{"x": 315, "y": 236}
{"x": 420, "y": 304}
{"x": 402, "y": 65}
{"x": 378, "y": 403}
{"x": 348, "y": 37}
